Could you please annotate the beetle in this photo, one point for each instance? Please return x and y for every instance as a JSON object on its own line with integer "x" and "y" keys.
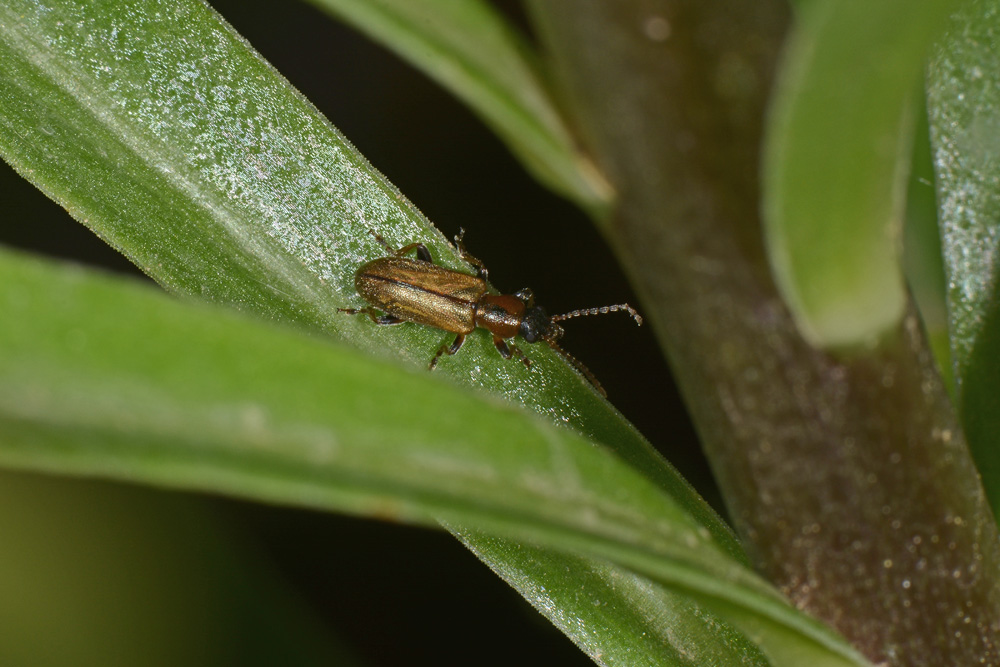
{"x": 401, "y": 289}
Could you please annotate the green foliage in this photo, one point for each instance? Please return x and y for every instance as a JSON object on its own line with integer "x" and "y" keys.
{"x": 156, "y": 125}
{"x": 964, "y": 104}
{"x": 837, "y": 161}
{"x": 467, "y": 47}
{"x": 221, "y": 182}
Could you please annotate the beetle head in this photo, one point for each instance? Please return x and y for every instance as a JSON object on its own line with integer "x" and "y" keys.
{"x": 537, "y": 325}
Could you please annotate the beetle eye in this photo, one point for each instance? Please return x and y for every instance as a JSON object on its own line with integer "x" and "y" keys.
{"x": 535, "y": 325}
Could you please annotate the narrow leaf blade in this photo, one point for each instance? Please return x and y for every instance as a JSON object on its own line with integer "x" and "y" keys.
{"x": 199, "y": 398}
{"x": 964, "y": 109}
{"x": 253, "y": 201}
{"x": 155, "y": 125}
{"x": 467, "y": 47}
{"x": 838, "y": 150}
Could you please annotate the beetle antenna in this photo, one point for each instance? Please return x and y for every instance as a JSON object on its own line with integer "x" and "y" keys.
{"x": 578, "y": 365}
{"x": 602, "y": 310}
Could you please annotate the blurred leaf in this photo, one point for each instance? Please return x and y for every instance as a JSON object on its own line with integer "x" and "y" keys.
{"x": 468, "y": 48}
{"x": 838, "y": 151}
{"x": 964, "y": 109}
{"x": 168, "y": 578}
{"x": 102, "y": 377}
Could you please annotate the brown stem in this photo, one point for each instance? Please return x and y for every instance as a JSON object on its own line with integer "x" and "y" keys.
{"x": 847, "y": 477}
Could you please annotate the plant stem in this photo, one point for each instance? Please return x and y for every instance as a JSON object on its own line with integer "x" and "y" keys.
{"x": 847, "y": 475}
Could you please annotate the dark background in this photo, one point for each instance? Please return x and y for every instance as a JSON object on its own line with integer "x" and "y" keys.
{"x": 400, "y": 595}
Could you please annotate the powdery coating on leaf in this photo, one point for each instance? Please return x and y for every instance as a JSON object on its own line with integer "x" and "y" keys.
{"x": 239, "y": 164}
{"x": 965, "y": 128}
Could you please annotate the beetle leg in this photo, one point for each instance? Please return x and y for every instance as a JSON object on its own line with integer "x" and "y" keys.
{"x": 450, "y": 350}
{"x": 422, "y": 251}
{"x": 373, "y": 314}
{"x": 382, "y": 241}
{"x": 508, "y": 350}
{"x": 481, "y": 271}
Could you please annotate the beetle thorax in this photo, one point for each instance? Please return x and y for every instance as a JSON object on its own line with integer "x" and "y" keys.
{"x": 501, "y": 314}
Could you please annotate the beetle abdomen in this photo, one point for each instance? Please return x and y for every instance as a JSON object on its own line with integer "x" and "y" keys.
{"x": 421, "y": 292}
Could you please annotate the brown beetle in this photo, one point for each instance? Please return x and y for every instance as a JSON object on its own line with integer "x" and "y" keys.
{"x": 418, "y": 290}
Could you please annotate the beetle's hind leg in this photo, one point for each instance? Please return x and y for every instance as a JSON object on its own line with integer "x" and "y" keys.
{"x": 446, "y": 349}
{"x": 422, "y": 252}
{"x": 373, "y": 314}
{"x": 508, "y": 350}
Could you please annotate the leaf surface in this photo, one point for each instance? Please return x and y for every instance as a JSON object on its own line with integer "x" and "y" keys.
{"x": 102, "y": 377}
{"x": 964, "y": 109}
{"x": 468, "y": 48}
{"x": 837, "y": 159}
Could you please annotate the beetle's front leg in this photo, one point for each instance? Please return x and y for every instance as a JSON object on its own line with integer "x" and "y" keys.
{"x": 455, "y": 347}
{"x": 508, "y": 350}
{"x": 422, "y": 252}
{"x": 481, "y": 271}
{"x": 373, "y": 314}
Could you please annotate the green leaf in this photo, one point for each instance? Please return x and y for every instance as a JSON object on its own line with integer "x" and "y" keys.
{"x": 102, "y": 377}
{"x": 964, "y": 109}
{"x": 96, "y": 370}
{"x": 155, "y": 125}
{"x": 837, "y": 155}
{"x": 161, "y": 130}
{"x": 468, "y": 48}
{"x": 666, "y": 628}
{"x": 252, "y": 199}
{"x": 212, "y": 174}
